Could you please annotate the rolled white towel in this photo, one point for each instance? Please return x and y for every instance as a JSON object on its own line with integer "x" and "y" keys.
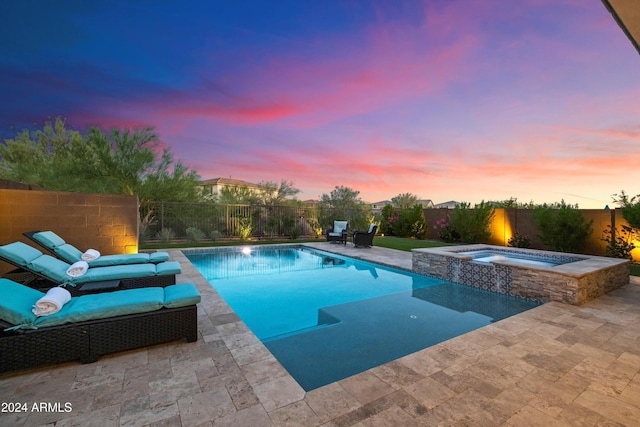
{"x": 78, "y": 269}
{"x": 52, "y": 301}
{"x": 90, "y": 255}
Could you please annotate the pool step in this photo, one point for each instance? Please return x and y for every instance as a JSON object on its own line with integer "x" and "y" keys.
{"x": 324, "y": 320}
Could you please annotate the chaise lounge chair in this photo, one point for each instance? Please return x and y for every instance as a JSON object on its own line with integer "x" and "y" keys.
{"x": 69, "y": 253}
{"x": 338, "y": 233}
{"x": 90, "y": 326}
{"x": 365, "y": 238}
{"x": 53, "y": 272}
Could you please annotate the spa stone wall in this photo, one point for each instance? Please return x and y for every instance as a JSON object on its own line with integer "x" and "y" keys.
{"x": 526, "y": 282}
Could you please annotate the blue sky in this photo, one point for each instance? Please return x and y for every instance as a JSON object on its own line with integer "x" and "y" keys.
{"x": 448, "y": 100}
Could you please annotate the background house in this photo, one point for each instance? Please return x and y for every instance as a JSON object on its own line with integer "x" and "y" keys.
{"x": 213, "y": 186}
{"x": 627, "y": 15}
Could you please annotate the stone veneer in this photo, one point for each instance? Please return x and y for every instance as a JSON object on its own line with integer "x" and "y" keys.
{"x": 574, "y": 283}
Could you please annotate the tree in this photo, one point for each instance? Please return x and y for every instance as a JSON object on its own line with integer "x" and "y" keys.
{"x": 343, "y": 203}
{"x": 115, "y": 162}
{"x": 630, "y": 207}
{"x": 404, "y": 201}
{"x": 237, "y": 195}
{"x": 274, "y": 194}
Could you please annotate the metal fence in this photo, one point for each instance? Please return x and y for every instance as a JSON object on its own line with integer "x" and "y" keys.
{"x": 166, "y": 221}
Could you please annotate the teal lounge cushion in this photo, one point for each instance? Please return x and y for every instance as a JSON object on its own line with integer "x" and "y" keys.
{"x": 168, "y": 267}
{"x": 157, "y": 257}
{"x": 68, "y": 252}
{"x": 181, "y": 295}
{"x": 16, "y": 302}
{"x": 104, "y": 305}
{"x": 19, "y": 253}
{"x": 117, "y": 272}
{"x": 48, "y": 239}
{"x": 120, "y": 259}
{"x": 51, "y": 267}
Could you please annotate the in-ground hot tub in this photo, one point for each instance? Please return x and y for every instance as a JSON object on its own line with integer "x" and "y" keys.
{"x": 525, "y": 273}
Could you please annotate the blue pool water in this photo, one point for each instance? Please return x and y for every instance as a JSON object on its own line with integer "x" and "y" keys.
{"x": 490, "y": 255}
{"x": 326, "y": 317}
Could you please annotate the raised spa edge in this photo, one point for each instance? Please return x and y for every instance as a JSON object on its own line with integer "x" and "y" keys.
{"x": 580, "y": 278}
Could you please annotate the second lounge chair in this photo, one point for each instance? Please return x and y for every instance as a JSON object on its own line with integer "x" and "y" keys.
{"x": 69, "y": 253}
{"x": 54, "y": 270}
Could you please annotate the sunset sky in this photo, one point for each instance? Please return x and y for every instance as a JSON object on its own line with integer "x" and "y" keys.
{"x": 446, "y": 99}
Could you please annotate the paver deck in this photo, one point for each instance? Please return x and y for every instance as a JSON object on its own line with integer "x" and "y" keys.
{"x": 554, "y": 365}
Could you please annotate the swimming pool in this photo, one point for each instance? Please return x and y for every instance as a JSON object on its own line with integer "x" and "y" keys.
{"x": 326, "y": 317}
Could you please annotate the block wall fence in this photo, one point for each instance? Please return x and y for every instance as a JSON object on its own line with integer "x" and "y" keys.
{"x": 507, "y": 221}
{"x": 106, "y": 222}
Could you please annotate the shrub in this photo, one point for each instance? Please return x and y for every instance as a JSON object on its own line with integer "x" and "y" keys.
{"x": 519, "y": 241}
{"x": 472, "y": 224}
{"x": 245, "y": 227}
{"x": 194, "y": 234}
{"x": 165, "y": 235}
{"x": 619, "y": 243}
{"x": 446, "y": 232}
{"x": 562, "y": 227}
{"x": 409, "y": 223}
{"x": 402, "y": 222}
{"x": 630, "y": 207}
{"x": 215, "y": 235}
{"x": 387, "y": 213}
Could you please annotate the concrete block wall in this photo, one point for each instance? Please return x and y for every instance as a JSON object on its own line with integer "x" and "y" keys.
{"x": 106, "y": 222}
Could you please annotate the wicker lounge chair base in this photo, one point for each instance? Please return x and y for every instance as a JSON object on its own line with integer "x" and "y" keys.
{"x": 41, "y": 283}
{"x": 87, "y": 341}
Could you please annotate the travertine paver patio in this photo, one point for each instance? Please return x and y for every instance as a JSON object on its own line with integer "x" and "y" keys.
{"x": 554, "y": 365}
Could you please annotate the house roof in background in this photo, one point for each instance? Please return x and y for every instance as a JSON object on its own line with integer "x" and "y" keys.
{"x": 627, "y": 15}
{"x": 229, "y": 182}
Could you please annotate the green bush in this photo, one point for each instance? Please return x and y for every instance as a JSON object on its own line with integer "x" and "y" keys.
{"x": 619, "y": 243}
{"x": 519, "y": 241}
{"x": 471, "y": 225}
{"x": 166, "y": 235}
{"x": 194, "y": 234}
{"x": 446, "y": 232}
{"x": 404, "y": 222}
{"x": 562, "y": 227}
{"x": 630, "y": 207}
{"x": 245, "y": 227}
{"x": 387, "y": 212}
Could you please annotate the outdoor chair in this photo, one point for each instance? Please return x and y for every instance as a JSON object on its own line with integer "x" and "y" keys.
{"x": 90, "y": 326}
{"x": 44, "y": 271}
{"x": 365, "y": 238}
{"x": 338, "y": 233}
{"x": 69, "y": 253}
